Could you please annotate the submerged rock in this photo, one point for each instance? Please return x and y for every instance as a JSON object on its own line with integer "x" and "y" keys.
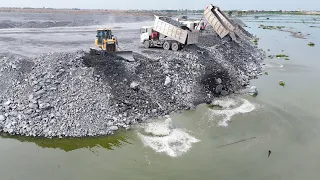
{"x": 253, "y": 91}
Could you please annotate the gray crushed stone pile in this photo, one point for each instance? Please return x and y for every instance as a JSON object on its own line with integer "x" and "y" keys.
{"x": 82, "y": 94}
{"x": 171, "y": 21}
{"x": 59, "y": 96}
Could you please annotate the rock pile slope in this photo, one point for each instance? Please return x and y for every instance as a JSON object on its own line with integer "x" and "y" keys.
{"x": 82, "y": 94}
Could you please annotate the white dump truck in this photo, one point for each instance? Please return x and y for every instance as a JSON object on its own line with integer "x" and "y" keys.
{"x": 168, "y": 34}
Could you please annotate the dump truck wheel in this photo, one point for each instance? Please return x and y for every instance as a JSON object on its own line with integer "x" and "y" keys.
{"x": 166, "y": 45}
{"x": 175, "y": 46}
{"x": 146, "y": 44}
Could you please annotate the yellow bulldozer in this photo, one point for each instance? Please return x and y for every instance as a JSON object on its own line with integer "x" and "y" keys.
{"x": 108, "y": 43}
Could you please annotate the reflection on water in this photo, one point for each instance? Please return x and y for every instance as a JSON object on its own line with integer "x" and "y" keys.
{"x": 71, "y": 144}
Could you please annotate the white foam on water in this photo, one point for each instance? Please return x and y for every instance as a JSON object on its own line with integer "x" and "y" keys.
{"x": 159, "y": 128}
{"x": 273, "y": 65}
{"x": 163, "y": 138}
{"x": 230, "y": 107}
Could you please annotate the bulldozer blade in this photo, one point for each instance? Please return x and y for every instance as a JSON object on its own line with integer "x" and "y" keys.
{"x": 127, "y": 55}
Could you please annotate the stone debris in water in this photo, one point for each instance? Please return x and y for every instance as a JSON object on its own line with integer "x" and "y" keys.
{"x": 82, "y": 94}
{"x": 253, "y": 91}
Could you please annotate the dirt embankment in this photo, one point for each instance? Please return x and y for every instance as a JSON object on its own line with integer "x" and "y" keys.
{"x": 82, "y": 94}
{"x": 78, "y": 94}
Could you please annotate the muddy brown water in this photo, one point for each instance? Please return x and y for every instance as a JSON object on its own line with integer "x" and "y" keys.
{"x": 284, "y": 120}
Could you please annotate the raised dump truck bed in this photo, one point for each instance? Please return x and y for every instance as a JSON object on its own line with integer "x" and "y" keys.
{"x": 221, "y": 23}
{"x": 175, "y": 30}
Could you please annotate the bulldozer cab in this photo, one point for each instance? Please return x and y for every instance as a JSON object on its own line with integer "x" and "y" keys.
{"x": 104, "y": 34}
{"x": 106, "y": 40}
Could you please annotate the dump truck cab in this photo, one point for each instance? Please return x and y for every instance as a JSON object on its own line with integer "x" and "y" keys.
{"x": 145, "y": 33}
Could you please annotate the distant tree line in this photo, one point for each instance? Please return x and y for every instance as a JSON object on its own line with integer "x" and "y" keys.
{"x": 177, "y": 11}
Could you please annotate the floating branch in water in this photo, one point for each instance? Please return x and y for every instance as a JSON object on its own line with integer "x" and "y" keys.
{"x": 237, "y": 142}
